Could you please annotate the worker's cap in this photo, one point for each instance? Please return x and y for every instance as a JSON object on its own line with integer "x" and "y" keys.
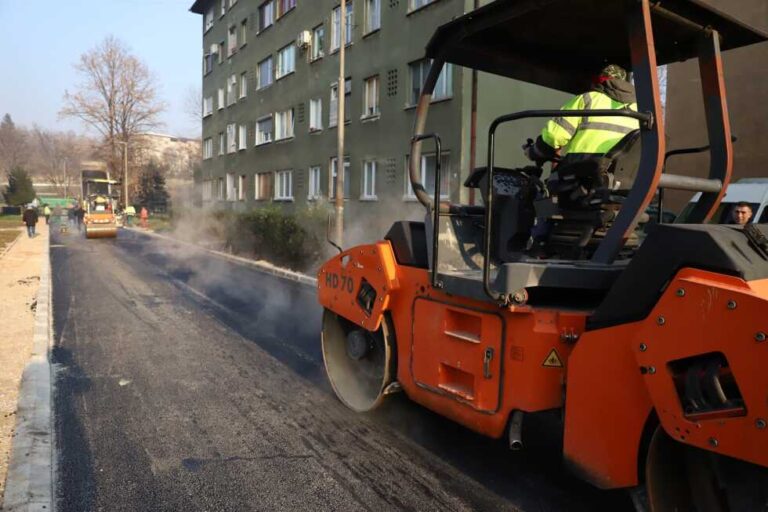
{"x": 614, "y": 71}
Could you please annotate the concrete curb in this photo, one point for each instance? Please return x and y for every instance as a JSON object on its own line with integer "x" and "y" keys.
{"x": 261, "y": 266}
{"x": 29, "y": 484}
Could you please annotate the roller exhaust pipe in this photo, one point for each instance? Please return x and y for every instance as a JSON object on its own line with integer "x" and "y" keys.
{"x": 516, "y": 431}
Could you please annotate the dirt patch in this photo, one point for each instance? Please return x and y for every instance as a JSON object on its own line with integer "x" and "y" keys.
{"x": 7, "y": 236}
{"x": 19, "y": 281}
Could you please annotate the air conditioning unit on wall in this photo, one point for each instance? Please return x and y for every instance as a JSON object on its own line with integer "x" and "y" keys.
{"x": 304, "y": 39}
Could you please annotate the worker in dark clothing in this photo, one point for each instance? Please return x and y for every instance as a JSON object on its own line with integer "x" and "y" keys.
{"x": 577, "y": 138}
{"x": 29, "y": 217}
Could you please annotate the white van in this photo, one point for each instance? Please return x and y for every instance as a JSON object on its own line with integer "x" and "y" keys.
{"x": 749, "y": 190}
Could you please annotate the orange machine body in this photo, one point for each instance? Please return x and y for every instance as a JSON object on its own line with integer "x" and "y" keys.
{"x": 476, "y": 362}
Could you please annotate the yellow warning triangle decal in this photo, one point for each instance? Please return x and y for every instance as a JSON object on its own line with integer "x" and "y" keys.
{"x": 553, "y": 360}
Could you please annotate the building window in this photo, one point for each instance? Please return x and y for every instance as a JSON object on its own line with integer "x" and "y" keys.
{"x": 231, "y": 90}
{"x": 284, "y": 124}
{"x": 315, "y": 114}
{"x": 264, "y": 130}
{"x": 220, "y": 48}
{"x": 231, "y": 138}
{"x": 261, "y": 182}
{"x": 223, "y": 8}
{"x": 428, "y": 176}
{"x": 232, "y": 41}
{"x": 283, "y": 6}
{"x": 372, "y": 15}
{"x": 266, "y": 15}
{"x": 231, "y": 3}
{"x": 222, "y": 144}
{"x": 286, "y": 60}
{"x": 208, "y": 20}
{"x": 369, "y": 180}
{"x": 333, "y": 114}
{"x": 418, "y": 4}
{"x": 243, "y": 85}
{"x": 207, "y": 190}
{"x": 231, "y": 192}
{"x": 241, "y": 188}
{"x": 318, "y": 42}
{"x": 207, "y": 148}
{"x": 336, "y": 26}
{"x": 265, "y": 73}
{"x": 443, "y": 87}
{"x": 221, "y": 98}
{"x": 243, "y": 32}
{"x": 314, "y": 183}
{"x": 283, "y": 185}
{"x": 371, "y": 97}
{"x": 207, "y": 63}
{"x": 242, "y": 140}
{"x": 207, "y": 106}
{"x": 332, "y": 189}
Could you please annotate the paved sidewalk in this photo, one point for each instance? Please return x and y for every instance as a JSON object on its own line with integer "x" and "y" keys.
{"x": 20, "y": 271}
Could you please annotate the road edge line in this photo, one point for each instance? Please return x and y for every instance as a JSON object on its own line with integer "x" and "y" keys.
{"x": 259, "y": 265}
{"x": 30, "y": 479}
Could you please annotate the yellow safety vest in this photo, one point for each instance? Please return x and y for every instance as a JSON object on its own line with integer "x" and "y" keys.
{"x": 589, "y": 135}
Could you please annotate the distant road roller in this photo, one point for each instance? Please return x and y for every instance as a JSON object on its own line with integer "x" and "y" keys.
{"x": 653, "y": 349}
{"x": 99, "y": 205}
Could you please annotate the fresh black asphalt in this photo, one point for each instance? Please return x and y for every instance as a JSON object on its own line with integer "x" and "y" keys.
{"x": 187, "y": 382}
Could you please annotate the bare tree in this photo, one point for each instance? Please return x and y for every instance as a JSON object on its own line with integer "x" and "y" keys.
{"x": 193, "y": 106}
{"x": 57, "y": 156}
{"x": 13, "y": 145}
{"x": 117, "y": 97}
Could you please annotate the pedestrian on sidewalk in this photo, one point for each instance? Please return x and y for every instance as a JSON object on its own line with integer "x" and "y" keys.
{"x": 29, "y": 217}
{"x": 47, "y": 213}
{"x": 79, "y": 215}
{"x": 144, "y": 215}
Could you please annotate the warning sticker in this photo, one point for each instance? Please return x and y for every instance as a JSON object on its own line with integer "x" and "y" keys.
{"x": 553, "y": 360}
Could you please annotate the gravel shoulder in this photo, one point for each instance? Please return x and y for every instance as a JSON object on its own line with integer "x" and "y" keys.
{"x": 19, "y": 280}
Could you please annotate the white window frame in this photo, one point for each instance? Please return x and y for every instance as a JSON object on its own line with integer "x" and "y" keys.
{"x": 231, "y": 40}
{"x": 232, "y": 90}
{"x": 243, "y": 32}
{"x": 222, "y": 98}
{"x": 371, "y": 97}
{"x": 264, "y": 8}
{"x": 242, "y": 137}
{"x": 262, "y": 179}
{"x": 316, "y": 114}
{"x": 368, "y": 182}
{"x": 285, "y": 66}
{"x": 284, "y": 185}
{"x": 372, "y": 15}
{"x": 243, "y": 85}
{"x": 231, "y": 194}
{"x": 208, "y": 22}
{"x": 443, "y": 87}
{"x": 223, "y": 8}
{"x": 260, "y": 140}
{"x": 220, "y": 190}
{"x": 222, "y": 143}
{"x": 207, "y": 148}
{"x": 336, "y": 26}
{"x": 260, "y": 84}
{"x": 414, "y": 5}
{"x": 241, "y": 187}
{"x": 333, "y": 108}
{"x": 314, "y": 184}
{"x": 318, "y": 40}
{"x": 445, "y": 189}
{"x": 207, "y": 106}
{"x": 280, "y": 12}
{"x": 231, "y": 138}
{"x": 284, "y": 124}
{"x": 332, "y": 178}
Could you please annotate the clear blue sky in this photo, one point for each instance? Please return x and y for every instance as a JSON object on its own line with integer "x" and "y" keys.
{"x": 42, "y": 39}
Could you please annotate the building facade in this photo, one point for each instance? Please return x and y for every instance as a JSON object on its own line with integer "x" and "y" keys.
{"x": 270, "y": 73}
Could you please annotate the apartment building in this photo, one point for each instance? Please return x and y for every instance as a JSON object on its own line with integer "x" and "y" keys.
{"x": 270, "y": 91}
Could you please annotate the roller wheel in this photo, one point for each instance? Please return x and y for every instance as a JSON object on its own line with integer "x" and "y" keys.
{"x": 359, "y": 363}
{"x": 683, "y": 478}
